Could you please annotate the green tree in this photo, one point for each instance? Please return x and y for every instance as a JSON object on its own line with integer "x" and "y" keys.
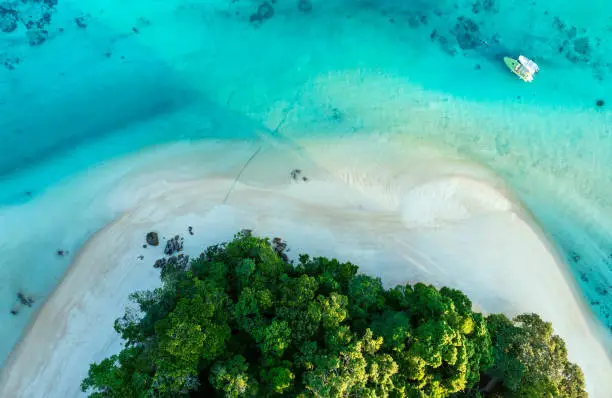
{"x": 230, "y": 378}
{"x": 441, "y": 347}
{"x": 530, "y": 360}
{"x": 122, "y": 375}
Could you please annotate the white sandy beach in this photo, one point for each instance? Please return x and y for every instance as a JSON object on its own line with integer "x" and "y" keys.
{"x": 405, "y": 216}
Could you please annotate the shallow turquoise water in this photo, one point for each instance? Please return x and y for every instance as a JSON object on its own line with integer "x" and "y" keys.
{"x": 145, "y": 73}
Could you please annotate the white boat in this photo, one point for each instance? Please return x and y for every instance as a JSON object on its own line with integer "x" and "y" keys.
{"x": 523, "y": 67}
{"x": 529, "y": 64}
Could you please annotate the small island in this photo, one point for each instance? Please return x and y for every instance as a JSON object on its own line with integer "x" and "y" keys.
{"x": 241, "y": 320}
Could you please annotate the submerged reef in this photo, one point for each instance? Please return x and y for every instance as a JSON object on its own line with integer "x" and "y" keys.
{"x": 264, "y": 11}
{"x": 467, "y": 33}
{"x": 9, "y": 19}
{"x": 600, "y": 289}
{"x": 575, "y": 45}
{"x": 580, "y": 48}
{"x": 485, "y": 6}
{"x": 481, "y": 29}
{"x": 304, "y": 6}
{"x": 33, "y": 15}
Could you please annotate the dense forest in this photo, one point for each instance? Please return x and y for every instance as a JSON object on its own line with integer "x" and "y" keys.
{"x": 243, "y": 321}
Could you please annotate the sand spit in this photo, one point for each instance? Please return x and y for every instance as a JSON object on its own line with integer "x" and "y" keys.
{"x": 402, "y": 215}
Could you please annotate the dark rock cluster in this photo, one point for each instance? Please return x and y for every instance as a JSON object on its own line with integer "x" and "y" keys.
{"x": 485, "y": 6}
{"x": 602, "y": 291}
{"x": 152, "y": 238}
{"x": 174, "y": 245}
{"x": 10, "y": 63}
{"x": 601, "y": 288}
{"x": 581, "y": 46}
{"x": 9, "y": 19}
{"x": 336, "y": 115}
{"x": 179, "y": 263}
{"x": 417, "y": 20}
{"x": 578, "y": 50}
{"x": 22, "y": 300}
{"x": 25, "y": 300}
{"x": 297, "y": 175}
{"x": 80, "y": 22}
{"x": 34, "y": 15}
{"x": 575, "y": 45}
{"x": 444, "y": 42}
{"x": 467, "y": 33}
{"x": 464, "y": 35}
{"x": 304, "y": 6}
{"x": 264, "y": 11}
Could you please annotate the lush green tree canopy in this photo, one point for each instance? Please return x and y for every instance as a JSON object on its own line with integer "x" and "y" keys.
{"x": 241, "y": 321}
{"x": 532, "y": 361}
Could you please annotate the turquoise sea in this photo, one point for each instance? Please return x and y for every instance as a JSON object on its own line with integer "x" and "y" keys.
{"x": 84, "y": 82}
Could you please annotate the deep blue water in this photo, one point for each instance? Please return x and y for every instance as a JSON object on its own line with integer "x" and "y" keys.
{"x": 102, "y": 79}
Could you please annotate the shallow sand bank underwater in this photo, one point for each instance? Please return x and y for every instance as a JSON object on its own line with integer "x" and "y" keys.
{"x": 404, "y": 215}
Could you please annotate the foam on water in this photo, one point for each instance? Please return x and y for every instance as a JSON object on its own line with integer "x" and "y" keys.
{"x": 148, "y": 73}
